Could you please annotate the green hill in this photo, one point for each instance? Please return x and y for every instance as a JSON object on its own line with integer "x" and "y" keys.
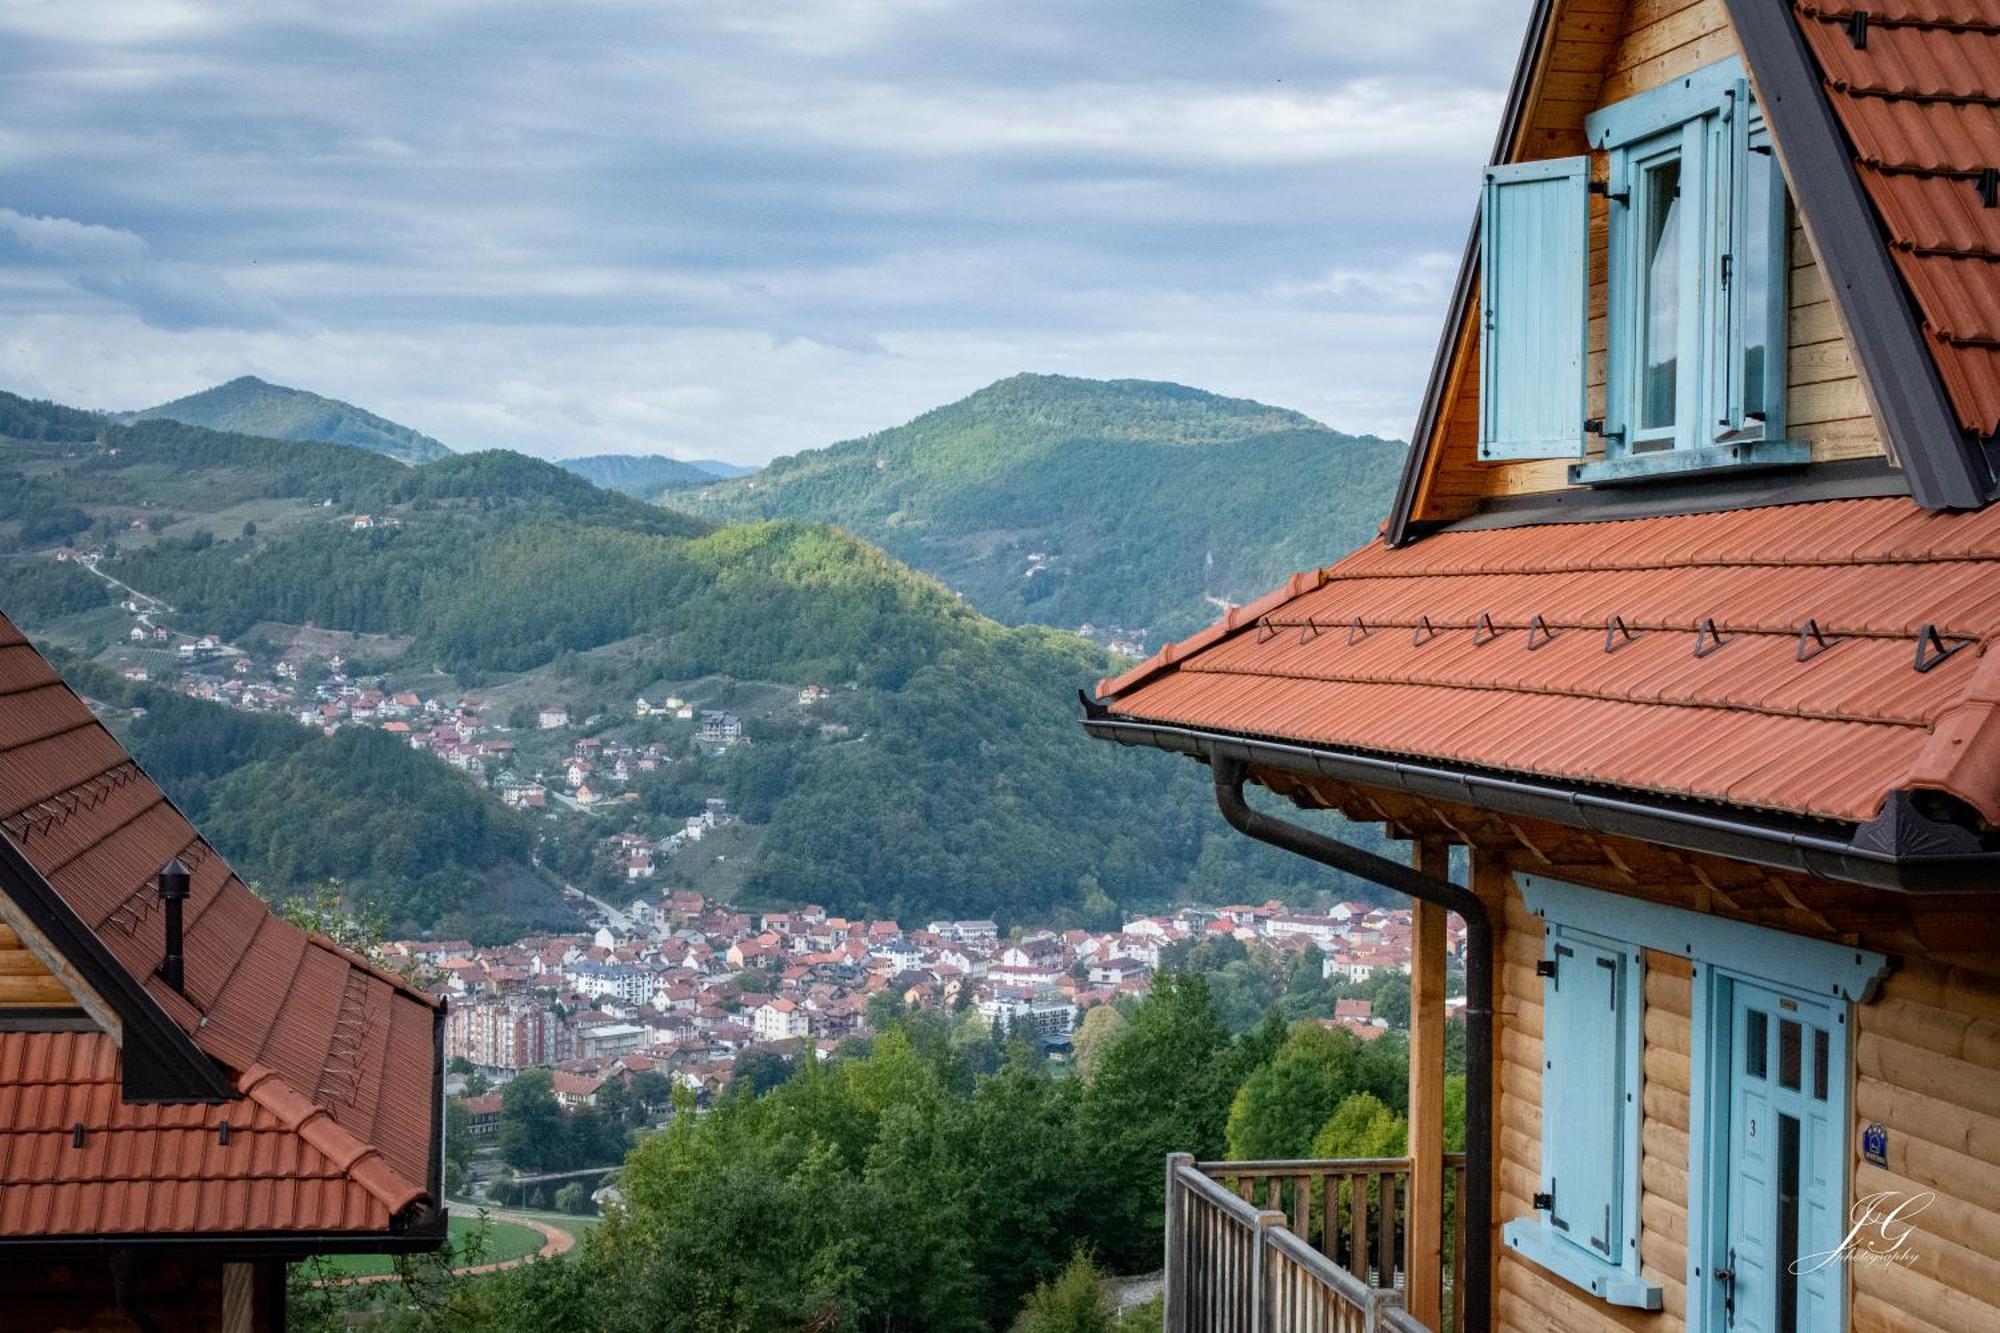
{"x": 647, "y": 475}
{"x": 1063, "y": 501}
{"x": 943, "y": 773}
{"x": 250, "y": 406}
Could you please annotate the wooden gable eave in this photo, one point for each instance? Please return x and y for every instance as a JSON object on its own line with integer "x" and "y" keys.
{"x": 161, "y": 1062}
{"x": 1563, "y": 56}
{"x": 1559, "y": 77}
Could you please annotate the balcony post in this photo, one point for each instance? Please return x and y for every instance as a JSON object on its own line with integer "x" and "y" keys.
{"x": 1268, "y": 1220}
{"x": 1424, "y": 1224}
{"x": 1174, "y": 1287}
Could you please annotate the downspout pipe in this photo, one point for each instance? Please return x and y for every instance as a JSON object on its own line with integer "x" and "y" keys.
{"x": 1476, "y": 1280}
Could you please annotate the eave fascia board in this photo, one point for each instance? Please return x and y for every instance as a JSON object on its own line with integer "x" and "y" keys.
{"x": 422, "y": 1238}
{"x": 1769, "y": 842}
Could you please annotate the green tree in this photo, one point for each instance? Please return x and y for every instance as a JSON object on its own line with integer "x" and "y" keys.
{"x": 761, "y": 1070}
{"x": 1281, "y": 1105}
{"x": 652, "y": 1092}
{"x": 1392, "y": 1000}
{"x": 1102, "y": 1026}
{"x": 1071, "y": 1303}
{"x": 1362, "y": 1126}
{"x": 532, "y": 1130}
{"x": 573, "y": 1199}
{"x": 457, "y": 1139}
{"x": 1163, "y": 1088}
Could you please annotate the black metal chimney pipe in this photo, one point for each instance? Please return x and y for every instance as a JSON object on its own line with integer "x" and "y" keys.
{"x": 1477, "y": 1280}
{"x": 173, "y": 892}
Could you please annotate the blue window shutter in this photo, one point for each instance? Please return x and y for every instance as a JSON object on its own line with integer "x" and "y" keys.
{"x": 1583, "y": 1025}
{"x": 1534, "y": 301}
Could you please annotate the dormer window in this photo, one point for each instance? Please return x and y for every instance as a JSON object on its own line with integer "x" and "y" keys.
{"x": 1696, "y": 229}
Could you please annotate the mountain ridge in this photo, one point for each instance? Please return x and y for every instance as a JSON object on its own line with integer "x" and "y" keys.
{"x": 1128, "y": 505}
{"x": 248, "y": 405}
{"x": 647, "y": 475}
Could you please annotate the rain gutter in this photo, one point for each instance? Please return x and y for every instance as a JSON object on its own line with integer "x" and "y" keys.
{"x": 1902, "y": 852}
{"x": 1477, "y": 1275}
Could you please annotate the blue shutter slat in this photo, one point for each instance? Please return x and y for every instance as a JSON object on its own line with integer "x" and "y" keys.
{"x": 1582, "y": 1094}
{"x": 1534, "y": 294}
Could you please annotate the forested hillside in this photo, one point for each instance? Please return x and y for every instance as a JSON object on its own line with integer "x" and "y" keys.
{"x": 1060, "y": 501}
{"x": 250, "y": 406}
{"x": 648, "y": 475}
{"x": 407, "y": 837}
{"x": 944, "y": 773}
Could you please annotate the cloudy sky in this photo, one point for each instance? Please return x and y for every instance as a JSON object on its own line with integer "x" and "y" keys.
{"x": 735, "y": 228}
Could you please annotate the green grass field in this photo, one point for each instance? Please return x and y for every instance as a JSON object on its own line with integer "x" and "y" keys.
{"x": 503, "y": 1241}
{"x": 576, "y": 1226}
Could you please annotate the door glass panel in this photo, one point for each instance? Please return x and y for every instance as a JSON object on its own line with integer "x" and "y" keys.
{"x": 1820, "y": 1045}
{"x": 1754, "y": 271}
{"x": 1660, "y": 318}
{"x": 1790, "y": 1042}
{"x": 1782, "y": 1271}
{"x": 1756, "y": 1039}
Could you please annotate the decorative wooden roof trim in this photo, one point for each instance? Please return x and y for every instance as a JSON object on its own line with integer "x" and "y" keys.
{"x": 1533, "y": 47}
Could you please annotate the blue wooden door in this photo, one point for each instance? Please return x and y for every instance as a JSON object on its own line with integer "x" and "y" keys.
{"x": 1786, "y": 1075}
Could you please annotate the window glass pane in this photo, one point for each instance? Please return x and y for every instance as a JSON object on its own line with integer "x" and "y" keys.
{"x": 1756, "y": 1042}
{"x": 1790, "y": 1041}
{"x": 1819, "y": 1063}
{"x": 1660, "y": 318}
{"x": 1753, "y": 271}
{"x": 1785, "y": 1269}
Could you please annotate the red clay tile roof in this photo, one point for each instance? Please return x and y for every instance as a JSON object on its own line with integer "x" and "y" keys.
{"x": 1746, "y": 724}
{"x": 343, "y": 1050}
{"x": 1920, "y": 101}
{"x": 150, "y": 1168}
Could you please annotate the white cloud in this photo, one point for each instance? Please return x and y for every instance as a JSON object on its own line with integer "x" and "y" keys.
{"x": 115, "y": 263}
{"x": 732, "y": 230}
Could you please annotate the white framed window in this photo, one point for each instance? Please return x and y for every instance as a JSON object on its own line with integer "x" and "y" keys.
{"x": 1697, "y": 229}
{"x": 1696, "y": 297}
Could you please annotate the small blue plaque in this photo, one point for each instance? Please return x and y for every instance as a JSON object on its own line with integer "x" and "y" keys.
{"x": 1875, "y": 1144}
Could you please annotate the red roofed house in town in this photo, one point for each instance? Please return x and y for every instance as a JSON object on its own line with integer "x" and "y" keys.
{"x": 1685, "y": 625}
{"x": 192, "y": 1090}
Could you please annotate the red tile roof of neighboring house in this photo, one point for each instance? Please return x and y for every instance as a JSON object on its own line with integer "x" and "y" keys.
{"x": 1919, "y": 98}
{"x": 1747, "y": 724}
{"x": 148, "y": 1167}
{"x": 340, "y": 1051}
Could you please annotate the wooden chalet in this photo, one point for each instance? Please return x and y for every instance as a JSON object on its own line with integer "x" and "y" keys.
{"x": 1686, "y": 623}
{"x": 192, "y": 1091}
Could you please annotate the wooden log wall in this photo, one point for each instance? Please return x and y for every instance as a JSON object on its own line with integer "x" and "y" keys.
{"x": 25, "y": 983}
{"x": 1927, "y": 1068}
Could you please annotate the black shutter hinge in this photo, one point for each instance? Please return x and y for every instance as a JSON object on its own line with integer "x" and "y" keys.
{"x": 1545, "y": 967}
{"x": 1595, "y": 426}
{"x": 1544, "y": 1203}
{"x": 1604, "y": 188}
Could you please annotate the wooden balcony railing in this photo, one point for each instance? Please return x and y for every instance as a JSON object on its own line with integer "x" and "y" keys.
{"x": 1297, "y": 1246}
